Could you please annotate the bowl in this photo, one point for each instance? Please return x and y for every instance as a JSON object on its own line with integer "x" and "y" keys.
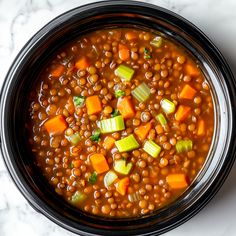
{"x": 14, "y": 102}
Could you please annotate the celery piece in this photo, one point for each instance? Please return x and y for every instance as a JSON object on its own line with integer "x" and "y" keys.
{"x": 184, "y": 145}
{"x": 141, "y": 93}
{"x": 124, "y": 72}
{"x": 127, "y": 144}
{"x": 112, "y": 124}
{"x": 121, "y": 167}
{"x": 74, "y": 138}
{"x": 157, "y": 42}
{"x": 161, "y": 118}
{"x": 78, "y": 197}
{"x": 152, "y": 148}
{"x": 167, "y": 106}
{"x": 109, "y": 178}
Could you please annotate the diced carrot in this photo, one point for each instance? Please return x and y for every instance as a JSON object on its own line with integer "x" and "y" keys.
{"x": 159, "y": 129}
{"x": 124, "y": 53}
{"x": 70, "y": 105}
{"x": 182, "y": 113}
{"x": 201, "y": 128}
{"x": 58, "y": 71}
{"x": 108, "y": 143}
{"x": 56, "y": 125}
{"x": 142, "y": 131}
{"x": 93, "y": 104}
{"x": 177, "y": 181}
{"x": 187, "y": 92}
{"x": 125, "y": 107}
{"x": 99, "y": 163}
{"x": 82, "y": 63}
{"x": 131, "y": 35}
{"x": 122, "y": 185}
{"x": 192, "y": 70}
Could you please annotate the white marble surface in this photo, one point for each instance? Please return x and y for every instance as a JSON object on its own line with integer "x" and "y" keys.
{"x": 20, "y": 19}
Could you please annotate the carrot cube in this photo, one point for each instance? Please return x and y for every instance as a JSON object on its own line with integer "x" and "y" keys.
{"x": 56, "y": 125}
{"x": 93, "y": 104}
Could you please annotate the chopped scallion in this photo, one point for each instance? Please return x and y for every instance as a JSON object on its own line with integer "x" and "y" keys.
{"x": 157, "y": 42}
{"x": 78, "y": 197}
{"x": 167, "y": 106}
{"x": 124, "y": 72}
{"x": 74, "y": 138}
{"x": 161, "y": 118}
{"x": 121, "y": 167}
{"x": 147, "y": 53}
{"x": 78, "y": 101}
{"x": 141, "y": 93}
{"x": 184, "y": 145}
{"x": 93, "y": 178}
{"x": 152, "y": 148}
{"x": 109, "y": 178}
{"x": 115, "y": 113}
{"x": 119, "y": 93}
{"x": 127, "y": 144}
{"x": 112, "y": 124}
{"x": 96, "y": 135}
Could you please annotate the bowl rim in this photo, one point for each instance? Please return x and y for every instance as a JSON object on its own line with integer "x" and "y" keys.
{"x": 20, "y": 183}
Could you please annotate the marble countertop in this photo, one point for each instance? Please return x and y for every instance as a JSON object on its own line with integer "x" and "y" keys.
{"x": 20, "y": 19}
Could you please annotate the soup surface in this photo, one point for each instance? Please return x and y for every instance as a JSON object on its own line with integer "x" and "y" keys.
{"x": 121, "y": 122}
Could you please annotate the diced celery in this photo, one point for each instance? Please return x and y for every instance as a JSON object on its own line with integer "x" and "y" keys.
{"x": 134, "y": 197}
{"x": 112, "y": 124}
{"x": 161, "y": 118}
{"x": 121, "y": 167}
{"x": 141, "y": 93}
{"x": 157, "y": 42}
{"x": 152, "y": 148}
{"x": 124, "y": 72}
{"x": 184, "y": 145}
{"x": 109, "y": 178}
{"x": 167, "y": 106}
{"x": 74, "y": 138}
{"x": 127, "y": 144}
{"x": 78, "y": 197}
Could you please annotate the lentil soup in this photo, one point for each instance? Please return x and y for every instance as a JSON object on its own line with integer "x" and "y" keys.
{"x": 121, "y": 122}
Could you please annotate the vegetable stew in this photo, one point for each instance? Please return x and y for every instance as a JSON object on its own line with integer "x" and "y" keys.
{"x": 121, "y": 122}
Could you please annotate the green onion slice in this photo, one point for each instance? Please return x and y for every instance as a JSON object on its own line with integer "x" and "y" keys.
{"x": 161, "y": 118}
{"x": 112, "y": 125}
{"x": 121, "y": 167}
{"x": 96, "y": 135}
{"x": 109, "y": 178}
{"x": 115, "y": 113}
{"x": 119, "y": 93}
{"x": 93, "y": 178}
{"x": 124, "y": 72}
{"x": 157, "y": 42}
{"x": 147, "y": 54}
{"x": 127, "y": 144}
{"x": 167, "y": 106}
{"x": 184, "y": 145}
{"x": 78, "y": 101}
{"x": 141, "y": 93}
{"x": 152, "y": 148}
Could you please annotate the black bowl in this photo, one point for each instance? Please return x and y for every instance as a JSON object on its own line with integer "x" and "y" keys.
{"x": 21, "y": 78}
